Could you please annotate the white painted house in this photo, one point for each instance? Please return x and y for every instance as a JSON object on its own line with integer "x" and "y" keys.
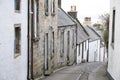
{"x": 96, "y": 52}
{"x": 13, "y": 39}
{"x": 82, "y": 45}
{"x": 103, "y": 52}
{"x": 114, "y": 41}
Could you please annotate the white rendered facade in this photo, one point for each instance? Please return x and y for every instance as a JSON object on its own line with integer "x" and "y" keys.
{"x": 13, "y": 67}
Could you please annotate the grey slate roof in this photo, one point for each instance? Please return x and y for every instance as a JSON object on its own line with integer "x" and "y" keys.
{"x": 63, "y": 18}
{"x": 99, "y": 33}
{"x": 92, "y": 33}
{"x": 82, "y": 35}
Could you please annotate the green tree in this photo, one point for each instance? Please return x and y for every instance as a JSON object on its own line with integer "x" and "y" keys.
{"x": 105, "y": 22}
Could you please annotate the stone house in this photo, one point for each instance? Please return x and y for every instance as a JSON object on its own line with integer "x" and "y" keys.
{"x": 42, "y": 37}
{"x": 66, "y": 38}
{"x": 114, "y": 41}
{"x": 13, "y": 39}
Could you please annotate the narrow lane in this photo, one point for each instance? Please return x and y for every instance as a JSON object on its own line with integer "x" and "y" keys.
{"x": 75, "y": 72}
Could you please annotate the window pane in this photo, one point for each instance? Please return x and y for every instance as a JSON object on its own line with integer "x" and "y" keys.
{"x": 46, "y": 7}
{"x": 113, "y": 26}
{"x": 17, "y": 4}
{"x": 17, "y": 39}
{"x": 53, "y": 8}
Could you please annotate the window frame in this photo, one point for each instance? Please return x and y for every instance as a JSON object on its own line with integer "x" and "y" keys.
{"x": 113, "y": 28}
{"x": 36, "y": 20}
{"x": 53, "y": 41}
{"x": 46, "y": 50}
{"x": 79, "y": 49}
{"x": 73, "y": 39}
{"x": 61, "y": 43}
{"x": 16, "y": 54}
{"x": 53, "y": 8}
{"x": 46, "y": 6}
{"x": 15, "y": 3}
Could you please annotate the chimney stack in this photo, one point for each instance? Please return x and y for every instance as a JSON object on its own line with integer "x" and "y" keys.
{"x": 59, "y": 3}
{"x": 87, "y": 21}
{"x": 73, "y": 12}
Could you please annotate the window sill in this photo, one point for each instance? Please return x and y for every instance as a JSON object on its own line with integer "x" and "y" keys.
{"x": 17, "y": 11}
{"x": 46, "y": 13}
{"x": 36, "y": 39}
{"x": 16, "y": 55}
{"x": 53, "y": 14}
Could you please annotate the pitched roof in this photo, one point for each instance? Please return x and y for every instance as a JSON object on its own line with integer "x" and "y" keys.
{"x": 82, "y": 35}
{"x": 92, "y": 33}
{"x": 64, "y": 19}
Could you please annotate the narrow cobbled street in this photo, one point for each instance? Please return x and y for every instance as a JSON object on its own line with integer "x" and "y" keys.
{"x": 84, "y": 71}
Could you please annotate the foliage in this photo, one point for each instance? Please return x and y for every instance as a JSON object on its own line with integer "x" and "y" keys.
{"x": 105, "y": 21}
{"x": 105, "y": 37}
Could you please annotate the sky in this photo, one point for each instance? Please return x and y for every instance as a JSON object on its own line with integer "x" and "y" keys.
{"x": 88, "y": 8}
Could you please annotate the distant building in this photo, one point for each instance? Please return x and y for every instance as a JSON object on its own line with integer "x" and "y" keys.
{"x": 98, "y": 26}
{"x": 96, "y": 47}
{"x": 87, "y": 21}
{"x": 114, "y": 41}
{"x": 81, "y": 38}
{"x": 13, "y": 39}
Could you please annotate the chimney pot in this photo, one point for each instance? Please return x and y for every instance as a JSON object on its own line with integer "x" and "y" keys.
{"x": 73, "y": 8}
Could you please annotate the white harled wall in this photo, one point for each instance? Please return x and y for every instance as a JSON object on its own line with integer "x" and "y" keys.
{"x": 94, "y": 51}
{"x": 114, "y": 53}
{"x": 12, "y": 68}
{"x": 80, "y": 52}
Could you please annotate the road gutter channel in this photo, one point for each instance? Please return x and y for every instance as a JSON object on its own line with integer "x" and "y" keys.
{"x": 78, "y": 77}
{"x": 59, "y": 69}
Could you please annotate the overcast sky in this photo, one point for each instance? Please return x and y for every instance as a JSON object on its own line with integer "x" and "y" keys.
{"x": 89, "y": 8}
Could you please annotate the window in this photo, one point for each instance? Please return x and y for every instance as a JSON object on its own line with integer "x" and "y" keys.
{"x": 17, "y": 45}
{"x": 53, "y": 7}
{"x": 113, "y": 28}
{"x": 52, "y": 45}
{"x": 53, "y": 42}
{"x": 79, "y": 49}
{"x": 59, "y": 3}
{"x": 62, "y": 43}
{"x": 46, "y": 3}
{"x": 85, "y": 45}
{"x": 82, "y": 50}
{"x": 46, "y": 51}
{"x": 68, "y": 46}
{"x": 73, "y": 40}
{"x": 36, "y": 20}
{"x": 17, "y": 6}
